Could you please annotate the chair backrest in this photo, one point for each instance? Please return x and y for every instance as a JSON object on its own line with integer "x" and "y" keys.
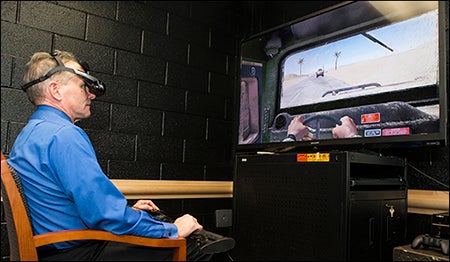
{"x": 20, "y": 232}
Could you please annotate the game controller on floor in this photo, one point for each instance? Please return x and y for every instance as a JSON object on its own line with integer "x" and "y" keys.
{"x": 428, "y": 241}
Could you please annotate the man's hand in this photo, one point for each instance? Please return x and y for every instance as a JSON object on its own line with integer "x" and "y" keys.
{"x": 147, "y": 205}
{"x": 346, "y": 129}
{"x": 186, "y": 225}
{"x": 297, "y": 128}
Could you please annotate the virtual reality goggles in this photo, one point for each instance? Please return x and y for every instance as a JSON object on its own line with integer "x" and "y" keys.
{"x": 94, "y": 85}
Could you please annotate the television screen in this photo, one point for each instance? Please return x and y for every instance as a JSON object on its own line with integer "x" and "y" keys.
{"x": 377, "y": 66}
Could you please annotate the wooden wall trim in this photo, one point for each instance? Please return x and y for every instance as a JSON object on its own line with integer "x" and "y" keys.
{"x": 173, "y": 189}
{"x": 428, "y": 201}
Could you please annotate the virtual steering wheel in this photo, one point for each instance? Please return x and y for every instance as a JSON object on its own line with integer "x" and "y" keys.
{"x": 317, "y": 118}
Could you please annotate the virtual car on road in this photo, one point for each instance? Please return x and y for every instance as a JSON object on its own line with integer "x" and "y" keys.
{"x": 319, "y": 72}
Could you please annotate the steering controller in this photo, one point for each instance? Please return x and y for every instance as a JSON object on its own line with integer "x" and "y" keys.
{"x": 429, "y": 241}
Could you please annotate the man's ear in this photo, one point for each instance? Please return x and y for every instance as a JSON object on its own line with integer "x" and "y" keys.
{"x": 54, "y": 89}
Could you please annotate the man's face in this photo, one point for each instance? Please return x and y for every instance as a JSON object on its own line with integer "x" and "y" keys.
{"x": 76, "y": 98}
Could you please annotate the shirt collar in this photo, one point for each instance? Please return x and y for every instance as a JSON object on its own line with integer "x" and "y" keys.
{"x": 49, "y": 113}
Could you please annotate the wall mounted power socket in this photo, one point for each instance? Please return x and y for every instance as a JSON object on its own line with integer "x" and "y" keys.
{"x": 223, "y": 217}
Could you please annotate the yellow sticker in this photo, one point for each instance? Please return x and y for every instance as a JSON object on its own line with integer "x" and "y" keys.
{"x": 313, "y": 157}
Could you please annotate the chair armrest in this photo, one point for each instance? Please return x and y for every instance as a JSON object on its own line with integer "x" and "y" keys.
{"x": 84, "y": 234}
{"x": 179, "y": 244}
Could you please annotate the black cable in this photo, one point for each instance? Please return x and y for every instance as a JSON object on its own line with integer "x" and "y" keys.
{"x": 427, "y": 176}
{"x": 229, "y": 256}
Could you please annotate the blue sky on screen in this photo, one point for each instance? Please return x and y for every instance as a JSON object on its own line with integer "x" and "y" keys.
{"x": 401, "y": 36}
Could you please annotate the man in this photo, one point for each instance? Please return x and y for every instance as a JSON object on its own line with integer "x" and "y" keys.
{"x": 64, "y": 185}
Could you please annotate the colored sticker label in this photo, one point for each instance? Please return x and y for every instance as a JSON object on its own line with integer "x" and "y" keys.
{"x": 372, "y": 132}
{"x": 313, "y": 157}
{"x": 370, "y": 118}
{"x": 396, "y": 131}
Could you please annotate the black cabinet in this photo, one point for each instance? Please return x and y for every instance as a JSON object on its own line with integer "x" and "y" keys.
{"x": 319, "y": 206}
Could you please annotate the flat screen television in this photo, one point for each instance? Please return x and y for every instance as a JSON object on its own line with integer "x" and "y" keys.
{"x": 382, "y": 63}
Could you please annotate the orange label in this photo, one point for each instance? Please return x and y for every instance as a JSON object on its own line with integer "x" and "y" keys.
{"x": 314, "y": 157}
{"x": 370, "y": 118}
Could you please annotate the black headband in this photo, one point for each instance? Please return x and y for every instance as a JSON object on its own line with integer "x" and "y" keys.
{"x": 94, "y": 85}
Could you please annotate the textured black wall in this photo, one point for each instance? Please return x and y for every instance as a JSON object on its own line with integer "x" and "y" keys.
{"x": 170, "y": 69}
{"x": 170, "y": 78}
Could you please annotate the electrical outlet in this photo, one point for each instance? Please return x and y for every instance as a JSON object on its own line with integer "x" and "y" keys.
{"x": 223, "y": 217}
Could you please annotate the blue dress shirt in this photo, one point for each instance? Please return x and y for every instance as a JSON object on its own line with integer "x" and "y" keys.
{"x": 65, "y": 186}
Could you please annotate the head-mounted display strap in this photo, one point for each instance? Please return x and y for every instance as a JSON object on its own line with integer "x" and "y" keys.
{"x": 94, "y": 85}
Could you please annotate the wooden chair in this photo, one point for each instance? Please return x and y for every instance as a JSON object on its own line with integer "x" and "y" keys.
{"x": 23, "y": 243}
